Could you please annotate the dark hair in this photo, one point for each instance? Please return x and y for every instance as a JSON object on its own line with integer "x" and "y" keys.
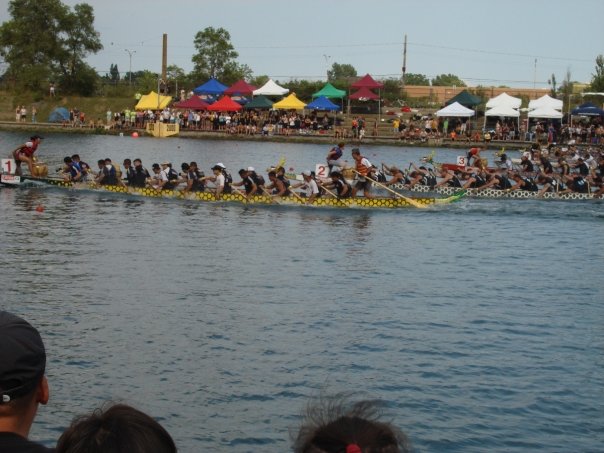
{"x": 272, "y": 173}
{"x": 184, "y": 166}
{"x": 127, "y": 161}
{"x": 138, "y": 160}
{"x": 242, "y": 172}
{"x": 356, "y": 151}
{"x": 117, "y": 429}
{"x": 75, "y": 156}
{"x": 101, "y": 162}
{"x": 67, "y": 160}
{"x": 331, "y": 425}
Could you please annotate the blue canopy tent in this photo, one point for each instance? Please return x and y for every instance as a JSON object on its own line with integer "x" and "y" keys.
{"x": 58, "y": 115}
{"x": 211, "y": 87}
{"x": 587, "y": 109}
{"x": 322, "y": 103}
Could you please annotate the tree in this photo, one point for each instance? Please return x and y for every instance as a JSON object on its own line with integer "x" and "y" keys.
{"x": 215, "y": 55}
{"x": 68, "y": 37}
{"x": 447, "y": 80}
{"x": 552, "y": 82}
{"x": 341, "y": 72}
{"x": 416, "y": 79}
{"x": 597, "y": 81}
{"x": 114, "y": 74}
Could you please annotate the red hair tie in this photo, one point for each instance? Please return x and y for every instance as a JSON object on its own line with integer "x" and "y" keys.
{"x": 353, "y": 448}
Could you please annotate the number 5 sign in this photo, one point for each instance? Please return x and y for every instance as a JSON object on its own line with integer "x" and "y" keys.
{"x": 8, "y": 166}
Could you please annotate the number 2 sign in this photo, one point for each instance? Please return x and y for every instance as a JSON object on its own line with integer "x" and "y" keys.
{"x": 321, "y": 171}
{"x": 8, "y": 166}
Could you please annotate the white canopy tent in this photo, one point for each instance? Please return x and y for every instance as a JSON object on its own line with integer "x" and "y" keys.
{"x": 503, "y": 111}
{"x": 545, "y": 112}
{"x": 504, "y": 99}
{"x": 270, "y": 88}
{"x": 455, "y": 109}
{"x": 547, "y": 102}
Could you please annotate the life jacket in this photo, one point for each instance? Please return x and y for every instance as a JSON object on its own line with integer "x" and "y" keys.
{"x": 140, "y": 177}
{"x": 454, "y": 182}
{"x": 110, "y": 178}
{"x": 478, "y": 181}
{"x": 197, "y": 185}
{"x": 340, "y": 188}
{"x": 362, "y": 169}
{"x": 580, "y": 185}
{"x": 380, "y": 176}
{"x": 258, "y": 179}
{"x": 428, "y": 180}
{"x": 228, "y": 180}
{"x": 529, "y": 184}
{"x": 248, "y": 184}
{"x": 504, "y": 183}
{"x": 27, "y": 150}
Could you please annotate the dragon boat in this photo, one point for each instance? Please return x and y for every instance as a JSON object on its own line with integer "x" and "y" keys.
{"x": 496, "y": 193}
{"x": 394, "y": 202}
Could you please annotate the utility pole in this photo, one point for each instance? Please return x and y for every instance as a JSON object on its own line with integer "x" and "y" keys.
{"x": 535, "y": 81}
{"x": 130, "y": 52}
{"x": 164, "y": 60}
{"x": 327, "y": 57}
{"x": 404, "y": 65}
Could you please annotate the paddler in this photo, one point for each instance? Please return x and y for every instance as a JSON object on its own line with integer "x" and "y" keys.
{"x": 342, "y": 188}
{"x": 247, "y": 182}
{"x": 25, "y": 153}
{"x": 309, "y": 185}
{"x": 194, "y": 179}
{"x": 364, "y": 170}
{"x": 70, "y": 171}
{"x": 397, "y": 175}
{"x": 218, "y": 179}
{"x": 106, "y": 175}
{"x": 278, "y": 187}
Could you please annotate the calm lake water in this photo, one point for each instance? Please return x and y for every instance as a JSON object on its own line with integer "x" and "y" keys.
{"x": 480, "y": 324}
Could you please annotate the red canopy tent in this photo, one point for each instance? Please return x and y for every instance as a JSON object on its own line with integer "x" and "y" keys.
{"x": 364, "y": 94}
{"x": 240, "y": 87}
{"x": 225, "y": 104}
{"x": 364, "y": 85}
{"x": 367, "y": 82}
{"x": 193, "y": 103}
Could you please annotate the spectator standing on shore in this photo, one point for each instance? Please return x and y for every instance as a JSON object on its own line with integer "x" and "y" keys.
{"x": 23, "y": 114}
{"x": 23, "y": 385}
{"x": 52, "y": 89}
{"x": 34, "y": 112}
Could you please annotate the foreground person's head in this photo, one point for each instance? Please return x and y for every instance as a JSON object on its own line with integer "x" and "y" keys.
{"x": 335, "y": 425}
{"x": 117, "y": 429}
{"x": 23, "y": 385}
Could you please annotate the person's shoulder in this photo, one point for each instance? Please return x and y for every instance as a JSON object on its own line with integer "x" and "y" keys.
{"x": 11, "y": 442}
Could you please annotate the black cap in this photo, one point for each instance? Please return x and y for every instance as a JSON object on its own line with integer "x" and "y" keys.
{"x": 22, "y": 357}
{"x": 34, "y": 137}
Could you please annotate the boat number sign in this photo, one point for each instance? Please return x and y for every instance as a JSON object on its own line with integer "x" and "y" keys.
{"x": 462, "y": 160}
{"x": 8, "y": 166}
{"x": 321, "y": 171}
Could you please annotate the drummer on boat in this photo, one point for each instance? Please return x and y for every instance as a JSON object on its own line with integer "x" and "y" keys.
{"x": 25, "y": 153}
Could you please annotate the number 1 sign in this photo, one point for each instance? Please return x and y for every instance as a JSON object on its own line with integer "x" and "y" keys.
{"x": 8, "y": 166}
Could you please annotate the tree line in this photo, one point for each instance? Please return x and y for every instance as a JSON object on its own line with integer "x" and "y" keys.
{"x": 66, "y": 36}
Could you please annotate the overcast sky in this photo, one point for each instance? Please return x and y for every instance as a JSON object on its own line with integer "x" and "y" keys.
{"x": 483, "y": 42}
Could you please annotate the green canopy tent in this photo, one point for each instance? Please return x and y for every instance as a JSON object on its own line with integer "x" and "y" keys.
{"x": 466, "y": 99}
{"x": 330, "y": 92}
{"x": 259, "y": 102}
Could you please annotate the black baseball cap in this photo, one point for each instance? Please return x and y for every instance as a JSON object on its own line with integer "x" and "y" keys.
{"x": 22, "y": 357}
{"x": 34, "y": 137}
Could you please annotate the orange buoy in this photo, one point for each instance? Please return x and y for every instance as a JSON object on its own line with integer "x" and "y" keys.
{"x": 134, "y": 134}
{"x": 39, "y": 208}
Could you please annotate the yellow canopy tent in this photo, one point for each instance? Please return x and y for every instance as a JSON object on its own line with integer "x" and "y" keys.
{"x": 153, "y": 101}
{"x": 290, "y": 103}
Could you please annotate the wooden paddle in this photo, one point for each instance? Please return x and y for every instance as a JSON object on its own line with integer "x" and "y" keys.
{"x": 411, "y": 201}
{"x": 270, "y": 195}
{"x": 333, "y": 194}
{"x": 240, "y": 193}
